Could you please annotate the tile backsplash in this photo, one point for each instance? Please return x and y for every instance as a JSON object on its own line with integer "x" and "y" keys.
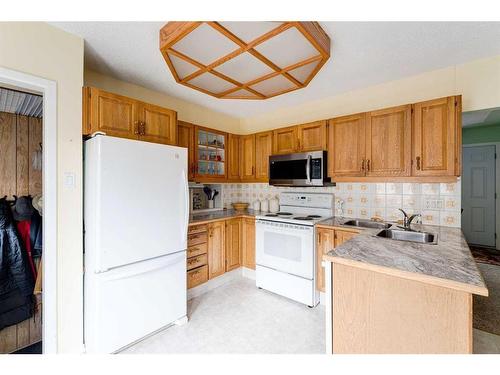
{"x": 438, "y": 203}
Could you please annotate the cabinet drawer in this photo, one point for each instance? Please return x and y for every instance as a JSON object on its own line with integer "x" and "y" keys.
{"x": 195, "y": 250}
{"x": 197, "y": 238}
{"x": 197, "y": 276}
{"x": 200, "y": 260}
{"x": 197, "y": 228}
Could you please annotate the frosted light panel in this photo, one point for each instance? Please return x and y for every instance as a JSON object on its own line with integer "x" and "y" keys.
{"x": 273, "y": 85}
{"x": 211, "y": 83}
{"x": 182, "y": 67}
{"x": 249, "y": 31}
{"x": 205, "y": 44}
{"x": 241, "y": 93}
{"x": 302, "y": 73}
{"x": 287, "y": 48}
{"x": 244, "y": 68}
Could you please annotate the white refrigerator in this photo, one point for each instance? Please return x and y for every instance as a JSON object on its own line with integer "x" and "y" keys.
{"x": 136, "y": 213}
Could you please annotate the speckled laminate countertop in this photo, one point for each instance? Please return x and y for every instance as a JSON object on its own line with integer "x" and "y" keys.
{"x": 207, "y": 217}
{"x": 449, "y": 263}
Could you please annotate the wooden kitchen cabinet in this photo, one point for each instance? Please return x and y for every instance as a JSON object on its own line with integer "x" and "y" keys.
{"x": 325, "y": 241}
{"x": 233, "y": 243}
{"x": 113, "y": 114}
{"x": 124, "y": 117}
{"x": 157, "y": 124}
{"x": 248, "y": 242}
{"x": 346, "y": 146}
{"x": 436, "y": 138}
{"x": 247, "y": 156}
{"x": 285, "y": 140}
{"x": 342, "y": 236}
{"x": 312, "y": 136}
{"x": 216, "y": 249}
{"x": 388, "y": 142}
{"x": 263, "y": 149}
{"x": 185, "y": 138}
{"x": 210, "y": 154}
{"x": 233, "y": 156}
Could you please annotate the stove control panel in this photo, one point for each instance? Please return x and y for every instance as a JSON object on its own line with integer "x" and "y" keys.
{"x": 313, "y": 200}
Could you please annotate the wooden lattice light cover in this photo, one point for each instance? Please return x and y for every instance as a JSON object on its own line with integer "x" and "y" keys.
{"x": 244, "y": 60}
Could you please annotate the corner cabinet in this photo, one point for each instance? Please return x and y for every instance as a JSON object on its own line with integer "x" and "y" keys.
{"x": 233, "y": 243}
{"x": 216, "y": 249}
{"x": 185, "y": 138}
{"x": 124, "y": 117}
{"x": 233, "y": 157}
{"x": 263, "y": 149}
{"x": 247, "y": 157}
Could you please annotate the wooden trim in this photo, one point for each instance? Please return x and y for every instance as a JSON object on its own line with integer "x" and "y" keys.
{"x": 449, "y": 179}
{"x": 172, "y": 32}
{"x": 432, "y": 280}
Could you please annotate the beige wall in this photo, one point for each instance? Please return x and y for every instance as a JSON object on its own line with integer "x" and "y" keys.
{"x": 47, "y": 52}
{"x": 477, "y": 81}
{"x": 186, "y": 111}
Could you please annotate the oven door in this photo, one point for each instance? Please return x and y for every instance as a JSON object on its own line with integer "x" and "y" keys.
{"x": 301, "y": 169}
{"x": 285, "y": 247}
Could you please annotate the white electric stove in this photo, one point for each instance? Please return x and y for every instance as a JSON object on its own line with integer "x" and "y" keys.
{"x": 285, "y": 246}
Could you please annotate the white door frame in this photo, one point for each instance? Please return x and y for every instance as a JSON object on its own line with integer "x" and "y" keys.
{"x": 22, "y": 81}
{"x": 497, "y": 186}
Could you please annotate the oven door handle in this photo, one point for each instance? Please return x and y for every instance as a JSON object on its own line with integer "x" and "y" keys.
{"x": 308, "y": 168}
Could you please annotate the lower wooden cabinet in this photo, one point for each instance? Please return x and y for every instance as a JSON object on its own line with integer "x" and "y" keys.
{"x": 324, "y": 243}
{"x": 197, "y": 255}
{"x": 197, "y": 276}
{"x": 326, "y": 240}
{"x": 233, "y": 244}
{"x": 216, "y": 249}
{"x": 248, "y": 243}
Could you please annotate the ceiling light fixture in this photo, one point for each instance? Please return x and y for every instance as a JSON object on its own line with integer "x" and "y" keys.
{"x": 244, "y": 60}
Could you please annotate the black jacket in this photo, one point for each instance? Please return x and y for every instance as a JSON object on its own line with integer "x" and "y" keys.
{"x": 16, "y": 280}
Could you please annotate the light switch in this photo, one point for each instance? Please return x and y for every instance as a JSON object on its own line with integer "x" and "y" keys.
{"x": 69, "y": 180}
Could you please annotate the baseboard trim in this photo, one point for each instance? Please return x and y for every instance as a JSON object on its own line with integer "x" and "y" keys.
{"x": 248, "y": 273}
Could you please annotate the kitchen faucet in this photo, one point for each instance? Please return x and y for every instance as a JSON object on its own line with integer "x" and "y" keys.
{"x": 407, "y": 219}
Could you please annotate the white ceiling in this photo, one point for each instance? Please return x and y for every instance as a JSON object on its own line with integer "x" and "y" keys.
{"x": 363, "y": 54}
{"x": 483, "y": 117}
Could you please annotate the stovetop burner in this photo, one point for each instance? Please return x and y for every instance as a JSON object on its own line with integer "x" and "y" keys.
{"x": 284, "y": 213}
{"x": 272, "y": 215}
{"x": 303, "y": 218}
{"x": 314, "y": 216}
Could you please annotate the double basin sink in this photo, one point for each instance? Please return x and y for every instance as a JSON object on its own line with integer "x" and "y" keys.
{"x": 395, "y": 234}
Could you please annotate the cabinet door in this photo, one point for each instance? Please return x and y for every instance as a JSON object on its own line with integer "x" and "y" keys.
{"x": 233, "y": 244}
{"x": 346, "y": 146}
{"x": 285, "y": 140}
{"x": 343, "y": 236}
{"x": 434, "y": 138}
{"x": 185, "y": 138}
{"x": 312, "y": 136}
{"x": 263, "y": 149}
{"x": 388, "y": 142}
{"x": 113, "y": 114}
{"x": 233, "y": 148}
{"x": 248, "y": 243}
{"x": 158, "y": 125}
{"x": 210, "y": 154}
{"x": 324, "y": 243}
{"x": 216, "y": 249}
{"x": 247, "y": 147}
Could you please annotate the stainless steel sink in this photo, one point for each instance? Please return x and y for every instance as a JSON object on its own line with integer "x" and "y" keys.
{"x": 408, "y": 235}
{"x": 367, "y": 224}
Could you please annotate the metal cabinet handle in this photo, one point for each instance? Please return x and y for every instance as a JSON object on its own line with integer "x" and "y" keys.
{"x": 363, "y": 164}
{"x": 143, "y": 128}
{"x": 136, "y": 128}
{"x": 418, "y": 163}
{"x": 368, "y": 165}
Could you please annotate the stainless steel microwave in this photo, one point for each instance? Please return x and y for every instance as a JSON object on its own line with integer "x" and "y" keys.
{"x": 299, "y": 169}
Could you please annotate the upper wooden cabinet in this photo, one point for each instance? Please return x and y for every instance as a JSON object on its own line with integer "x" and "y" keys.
{"x": 120, "y": 116}
{"x": 112, "y": 114}
{"x": 185, "y": 138}
{"x": 347, "y": 146}
{"x": 210, "y": 154}
{"x": 312, "y": 136}
{"x": 157, "y": 124}
{"x": 436, "y": 138}
{"x": 388, "y": 142}
{"x": 263, "y": 149}
{"x": 233, "y": 157}
{"x": 247, "y": 156}
{"x": 285, "y": 140}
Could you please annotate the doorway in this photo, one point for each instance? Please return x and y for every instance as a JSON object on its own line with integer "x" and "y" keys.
{"x": 44, "y": 158}
{"x": 478, "y": 195}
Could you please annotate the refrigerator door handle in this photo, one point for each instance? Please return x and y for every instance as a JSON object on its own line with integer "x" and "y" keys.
{"x": 186, "y": 204}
